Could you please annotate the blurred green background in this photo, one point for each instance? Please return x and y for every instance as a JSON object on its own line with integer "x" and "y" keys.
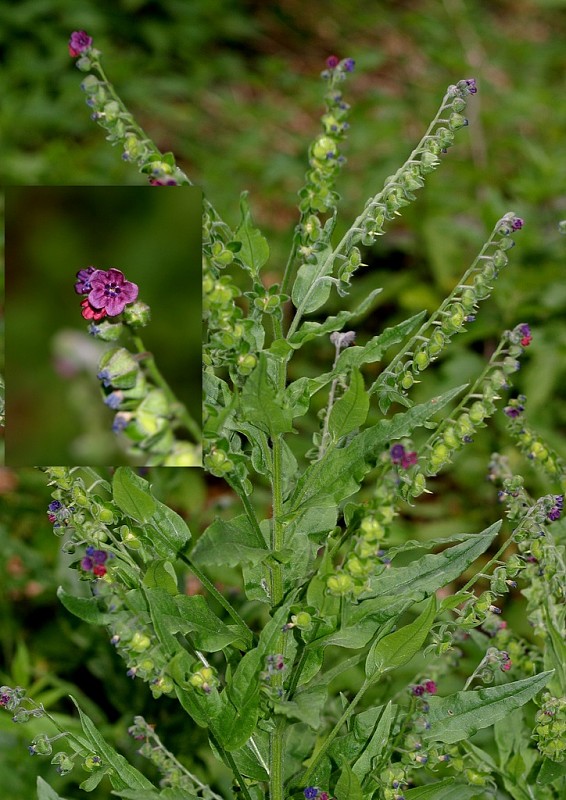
{"x": 53, "y": 400}
{"x": 232, "y": 88}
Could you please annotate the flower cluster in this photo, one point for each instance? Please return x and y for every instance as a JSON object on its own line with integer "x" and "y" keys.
{"x": 550, "y": 728}
{"x": 94, "y": 561}
{"x": 403, "y": 458}
{"x": 313, "y": 793}
{"x": 108, "y": 292}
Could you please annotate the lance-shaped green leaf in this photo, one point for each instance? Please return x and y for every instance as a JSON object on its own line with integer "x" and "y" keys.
{"x": 462, "y": 714}
{"x": 432, "y": 571}
{"x": 164, "y": 794}
{"x": 374, "y": 349}
{"x": 348, "y": 786}
{"x": 349, "y": 412}
{"x": 340, "y": 471}
{"x": 361, "y": 622}
{"x": 313, "y": 282}
{"x": 261, "y": 403}
{"x": 132, "y": 496}
{"x": 45, "y": 792}
{"x": 447, "y": 789}
{"x": 229, "y": 543}
{"x": 85, "y": 608}
{"x": 399, "y": 647}
{"x": 254, "y": 249}
{"x": 375, "y": 745}
{"x": 123, "y": 776}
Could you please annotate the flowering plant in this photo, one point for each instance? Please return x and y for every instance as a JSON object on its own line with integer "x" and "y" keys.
{"x": 328, "y": 586}
{"x": 148, "y": 414}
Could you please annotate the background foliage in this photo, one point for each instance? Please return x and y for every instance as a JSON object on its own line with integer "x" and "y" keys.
{"x": 232, "y": 89}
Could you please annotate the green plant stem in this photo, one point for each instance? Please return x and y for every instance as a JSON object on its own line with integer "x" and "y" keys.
{"x": 248, "y": 508}
{"x": 180, "y": 411}
{"x": 227, "y": 757}
{"x": 209, "y": 586}
{"x": 277, "y": 735}
{"x": 335, "y": 731}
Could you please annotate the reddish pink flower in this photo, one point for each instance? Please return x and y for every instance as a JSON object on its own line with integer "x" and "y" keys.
{"x": 79, "y": 43}
{"x": 89, "y": 312}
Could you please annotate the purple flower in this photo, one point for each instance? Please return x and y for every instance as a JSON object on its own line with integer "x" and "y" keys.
{"x": 556, "y": 511}
{"x": 87, "y": 563}
{"x": 332, "y": 62}
{"x": 111, "y": 291}
{"x": 78, "y": 43}
{"x": 114, "y": 399}
{"x": 397, "y": 452}
{"x": 517, "y": 223}
{"x": 82, "y": 286}
{"x": 526, "y": 334}
{"x": 310, "y": 792}
{"x": 162, "y": 182}
{"x": 418, "y": 690}
{"x": 99, "y": 556}
{"x": 349, "y": 64}
{"x": 513, "y": 411}
{"x": 471, "y": 84}
{"x": 430, "y": 687}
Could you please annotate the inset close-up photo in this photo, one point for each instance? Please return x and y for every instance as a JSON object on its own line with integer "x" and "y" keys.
{"x": 103, "y": 309}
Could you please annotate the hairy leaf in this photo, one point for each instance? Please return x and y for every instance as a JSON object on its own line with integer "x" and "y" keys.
{"x": 229, "y": 543}
{"x": 462, "y": 714}
{"x": 313, "y": 283}
{"x": 123, "y": 776}
{"x": 373, "y": 350}
{"x": 350, "y": 411}
{"x": 348, "y": 786}
{"x": 45, "y": 792}
{"x": 431, "y": 572}
{"x": 85, "y": 608}
{"x": 340, "y": 471}
{"x": 447, "y": 789}
{"x": 375, "y": 745}
{"x": 132, "y": 496}
{"x": 260, "y": 402}
{"x": 399, "y": 647}
{"x": 254, "y": 250}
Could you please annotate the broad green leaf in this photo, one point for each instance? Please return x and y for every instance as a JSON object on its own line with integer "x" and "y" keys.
{"x": 93, "y": 780}
{"x": 161, "y": 575}
{"x": 375, "y": 745}
{"x": 306, "y": 706}
{"x": 555, "y": 653}
{"x": 361, "y": 622}
{"x": 462, "y": 714}
{"x": 447, "y": 789}
{"x": 132, "y": 496}
{"x": 85, "y": 608}
{"x": 431, "y": 572}
{"x": 254, "y": 250}
{"x": 45, "y": 792}
{"x": 399, "y": 647}
{"x": 123, "y": 776}
{"x": 165, "y": 794}
{"x": 551, "y": 771}
{"x": 229, "y": 543}
{"x": 348, "y": 786}
{"x": 169, "y": 532}
{"x": 312, "y": 285}
{"x": 511, "y": 735}
{"x": 310, "y": 330}
{"x": 248, "y": 761}
{"x": 339, "y": 473}
{"x": 261, "y": 403}
{"x": 350, "y": 411}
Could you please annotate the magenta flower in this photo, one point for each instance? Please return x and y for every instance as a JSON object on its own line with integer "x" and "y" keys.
{"x": 82, "y": 286}
{"x": 78, "y": 43}
{"x": 332, "y": 62}
{"x": 111, "y": 291}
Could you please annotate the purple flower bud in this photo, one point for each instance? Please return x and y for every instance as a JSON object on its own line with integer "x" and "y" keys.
{"x": 517, "y": 223}
{"x": 397, "y": 452}
{"x": 418, "y": 690}
{"x": 349, "y": 64}
{"x": 332, "y": 62}
{"x": 82, "y": 285}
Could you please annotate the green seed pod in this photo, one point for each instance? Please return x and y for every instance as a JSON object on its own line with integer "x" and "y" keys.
{"x": 440, "y": 454}
{"x": 302, "y": 620}
{"x": 118, "y": 368}
{"x": 140, "y": 642}
{"x": 457, "y": 121}
{"x": 418, "y": 485}
{"x": 489, "y": 270}
{"x": 468, "y": 300}
{"x": 451, "y": 438}
{"x": 339, "y": 585}
{"x": 323, "y": 148}
{"x": 500, "y": 259}
{"x": 64, "y": 763}
{"x": 371, "y": 529}
{"x": 357, "y": 568}
{"x": 436, "y": 342}
{"x": 41, "y": 745}
{"x": 246, "y": 363}
{"x": 421, "y": 360}
{"x": 407, "y": 380}
{"x": 458, "y": 104}
{"x": 445, "y": 137}
{"x": 91, "y": 763}
{"x": 478, "y": 412}
{"x": 464, "y": 425}
{"x": 428, "y": 163}
{"x": 481, "y": 288}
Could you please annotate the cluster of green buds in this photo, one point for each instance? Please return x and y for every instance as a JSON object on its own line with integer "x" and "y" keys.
{"x": 479, "y": 403}
{"x": 203, "y": 679}
{"x": 15, "y": 700}
{"x": 392, "y": 781}
{"x": 110, "y": 113}
{"x": 532, "y": 445}
{"x": 450, "y": 318}
{"x": 550, "y": 728}
{"x": 368, "y": 555}
{"x": 147, "y": 412}
{"x": 174, "y": 774}
{"x": 87, "y": 517}
{"x": 318, "y": 194}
